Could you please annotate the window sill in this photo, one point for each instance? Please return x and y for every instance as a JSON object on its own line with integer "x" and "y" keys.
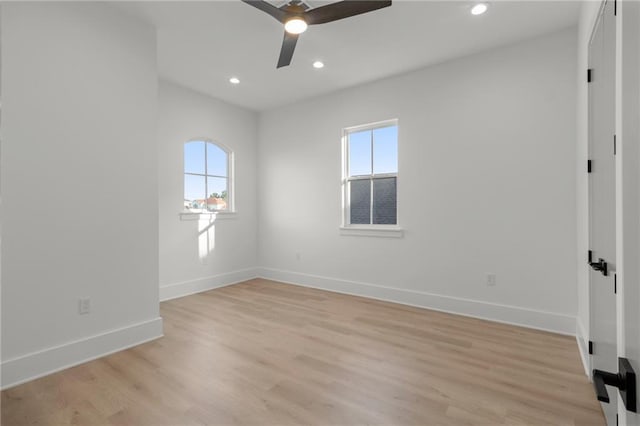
{"x": 207, "y": 215}
{"x": 372, "y": 231}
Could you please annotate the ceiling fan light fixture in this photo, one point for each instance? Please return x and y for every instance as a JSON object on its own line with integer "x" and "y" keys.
{"x": 296, "y": 15}
{"x": 295, "y": 25}
{"x": 479, "y": 8}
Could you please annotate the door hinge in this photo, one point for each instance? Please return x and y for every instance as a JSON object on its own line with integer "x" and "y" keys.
{"x": 588, "y": 166}
{"x": 590, "y": 257}
{"x": 590, "y": 347}
{"x": 615, "y": 283}
{"x": 614, "y": 145}
{"x": 615, "y": 7}
{"x": 589, "y": 75}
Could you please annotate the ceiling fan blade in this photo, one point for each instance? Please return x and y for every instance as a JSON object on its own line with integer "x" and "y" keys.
{"x": 270, "y": 9}
{"x": 286, "y": 52}
{"x": 343, "y": 9}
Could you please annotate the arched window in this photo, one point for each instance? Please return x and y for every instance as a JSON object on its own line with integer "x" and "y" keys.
{"x": 207, "y": 177}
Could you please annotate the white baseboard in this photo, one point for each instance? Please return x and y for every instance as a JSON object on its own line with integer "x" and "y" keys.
{"x": 540, "y": 320}
{"x": 37, "y": 364}
{"x": 583, "y": 346}
{"x": 173, "y": 291}
{"x": 34, "y": 365}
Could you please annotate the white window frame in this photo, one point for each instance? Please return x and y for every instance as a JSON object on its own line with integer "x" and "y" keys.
{"x": 230, "y": 211}
{"x": 371, "y": 229}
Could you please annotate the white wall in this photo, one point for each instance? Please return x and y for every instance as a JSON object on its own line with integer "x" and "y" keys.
{"x": 187, "y": 265}
{"x": 79, "y": 185}
{"x": 588, "y": 13}
{"x": 486, "y": 184}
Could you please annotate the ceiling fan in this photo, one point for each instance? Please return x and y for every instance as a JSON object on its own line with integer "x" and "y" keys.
{"x": 296, "y": 16}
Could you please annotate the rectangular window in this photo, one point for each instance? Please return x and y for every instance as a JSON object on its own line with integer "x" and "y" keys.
{"x": 371, "y": 174}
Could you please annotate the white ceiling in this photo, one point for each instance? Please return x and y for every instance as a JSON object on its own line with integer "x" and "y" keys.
{"x": 202, "y": 44}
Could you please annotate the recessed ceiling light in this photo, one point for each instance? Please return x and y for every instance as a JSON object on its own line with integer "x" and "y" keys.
{"x": 295, "y": 26}
{"x": 234, "y": 80}
{"x": 479, "y": 9}
{"x": 318, "y": 64}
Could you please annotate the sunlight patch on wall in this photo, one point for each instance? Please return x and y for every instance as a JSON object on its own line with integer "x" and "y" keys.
{"x": 206, "y": 237}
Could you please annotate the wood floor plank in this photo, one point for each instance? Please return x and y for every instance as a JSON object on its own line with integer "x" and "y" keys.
{"x": 262, "y": 352}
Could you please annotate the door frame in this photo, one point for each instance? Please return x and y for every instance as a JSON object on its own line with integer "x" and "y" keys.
{"x": 627, "y": 125}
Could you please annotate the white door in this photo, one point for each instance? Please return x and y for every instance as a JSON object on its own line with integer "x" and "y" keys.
{"x": 628, "y": 129}
{"x": 602, "y": 201}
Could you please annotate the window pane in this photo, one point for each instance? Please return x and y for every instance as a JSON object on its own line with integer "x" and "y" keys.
{"x": 194, "y": 157}
{"x": 194, "y": 195}
{"x": 360, "y": 191}
{"x": 384, "y": 201}
{"x": 360, "y": 153}
{"x": 216, "y": 160}
{"x": 385, "y": 150}
{"x": 218, "y": 195}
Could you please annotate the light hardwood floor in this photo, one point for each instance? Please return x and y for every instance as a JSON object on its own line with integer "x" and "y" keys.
{"x": 261, "y": 352}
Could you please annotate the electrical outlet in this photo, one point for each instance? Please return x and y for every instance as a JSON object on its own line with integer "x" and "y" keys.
{"x": 491, "y": 279}
{"x": 84, "y": 305}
